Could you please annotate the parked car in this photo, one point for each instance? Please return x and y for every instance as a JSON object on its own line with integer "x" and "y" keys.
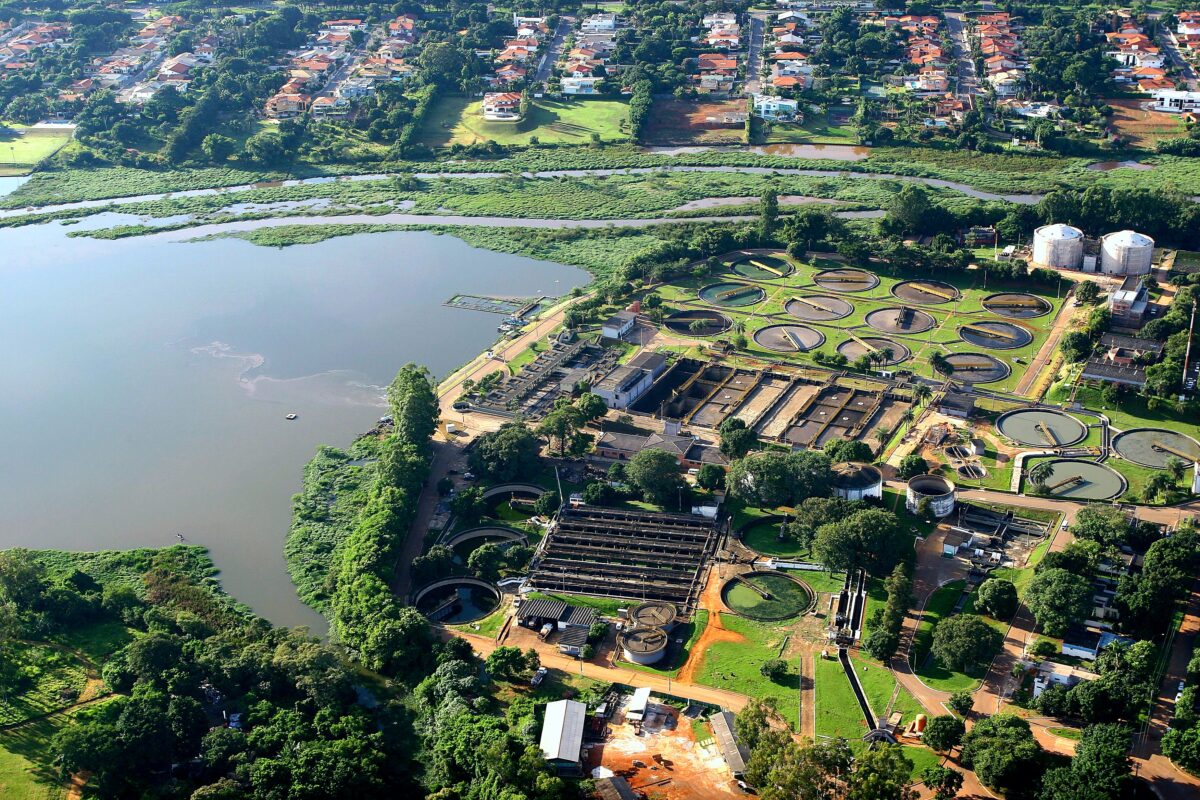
{"x": 538, "y": 676}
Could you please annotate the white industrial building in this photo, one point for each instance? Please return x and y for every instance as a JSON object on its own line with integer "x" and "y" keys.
{"x": 562, "y": 734}
{"x": 1126, "y": 253}
{"x": 1058, "y": 246}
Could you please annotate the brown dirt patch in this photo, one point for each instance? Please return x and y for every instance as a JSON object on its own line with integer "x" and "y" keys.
{"x": 715, "y": 631}
{"x": 684, "y": 122}
{"x": 1143, "y": 128}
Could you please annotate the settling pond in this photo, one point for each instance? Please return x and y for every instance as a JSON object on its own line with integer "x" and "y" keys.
{"x": 146, "y": 381}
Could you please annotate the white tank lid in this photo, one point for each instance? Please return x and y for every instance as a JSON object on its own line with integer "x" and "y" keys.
{"x": 1129, "y": 239}
{"x": 1059, "y": 231}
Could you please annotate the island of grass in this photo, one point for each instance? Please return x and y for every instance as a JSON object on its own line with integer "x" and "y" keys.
{"x": 940, "y": 606}
{"x": 459, "y": 120}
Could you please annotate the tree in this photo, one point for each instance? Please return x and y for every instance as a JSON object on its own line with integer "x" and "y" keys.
{"x": 441, "y": 63}
{"x": 881, "y": 773}
{"x": 1005, "y": 756}
{"x": 943, "y": 781}
{"x": 840, "y": 450}
{"x": 1056, "y": 598}
{"x": 562, "y": 423}
{"x": 768, "y": 212}
{"x": 909, "y": 211}
{"x": 1087, "y": 292}
{"x": 486, "y": 561}
{"x": 736, "y": 438}
{"x": 1075, "y": 346}
{"x": 1176, "y": 469}
{"x": 1179, "y": 745}
{"x": 911, "y": 466}
{"x": 547, "y": 504}
{"x": 468, "y": 505}
{"x": 591, "y": 406}
{"x": 944, "y": 733}
{"x": 870, "y": 539}
{"x": 1101, "y": 523}
{"x": 507, "y": 454}
{"x": 218, "y": 147}
{"x": 769, "y": 479}
{"x": 964, "y": 642}
{"x": 1039, "y": 474}
{"x": 774, "y": 669}
{"x": 414, "y": 405}
{"x": 997, "y": 597}
{"x": 655, "y": 473}
{"x": 597, "y": 493}
{"x": 507, "y": 663}
{"x": 265, "y": 148}
{"x": 961, "y": 703}
{"x": 711, "y": 477}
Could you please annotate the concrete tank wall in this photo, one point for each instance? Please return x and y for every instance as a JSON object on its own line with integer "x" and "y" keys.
{"x": 641, "y": 655}
{"x": 1058, "y": 246}
{"x": 1126, "y": 253}
{"x": 940, "y": 491}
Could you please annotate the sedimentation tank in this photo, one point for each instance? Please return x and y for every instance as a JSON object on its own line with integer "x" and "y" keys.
{"x": 643, "y": 645}
{"x": 938, "y": 490}
{"x": 856, "y": 481}
{"x": 1126, "y": 253}
{"x": 654, "y": 614}
{"x": 1058, "y": 246}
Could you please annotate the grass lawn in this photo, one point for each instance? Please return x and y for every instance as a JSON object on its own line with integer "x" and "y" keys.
{"x": 940, "y": 605}
{"x": 735, "y": 665}
{"x": 822, "y": 582}
{"x": 488, "y": 626}
{"x": 880, "y": 684}
{"x": 837, "y": 712}
{"x": 764, "y": 538}
{"x": 21, "y": 147}
{"x": 678, "y": 656}
{"x": 1068, "y": 733}
{"x": 100, "y": 640}
{"x": 1132, "y": 412}
{"x": 816, "y": 129}
{"x": 458, "y": 120}
{"x": 605, "y": 606}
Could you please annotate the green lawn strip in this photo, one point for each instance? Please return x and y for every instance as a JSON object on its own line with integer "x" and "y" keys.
{"x": 879, "y": 684}
{"x": 50, "y": 679}
{"x": 488, "y": 626}
{"x": 837, "y": 712}
{"x": 1067, "y": 733}
{"x": 605, "y": 606}
{"x": 821, "y": 582}
{"x": 876, "y": 598}
{"x": 701, "y": 731}
{"x": 690, "y": 633}
{"x": 735, "y": 665}
{"x": 459, "y": 120}
{"x": 940, "y": 605}
{"x": 937, "y": 608}
{"x": 922, "y": 758}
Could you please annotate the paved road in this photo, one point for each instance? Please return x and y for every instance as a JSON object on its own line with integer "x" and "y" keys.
{"x": 1171, "y": 45}
{"x": 546, "y": 65}
{"x": 956, "y": 26}
{"x": 754, "y": 50}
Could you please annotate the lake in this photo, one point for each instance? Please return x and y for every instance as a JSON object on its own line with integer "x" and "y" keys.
{"x": 145, "y": 382}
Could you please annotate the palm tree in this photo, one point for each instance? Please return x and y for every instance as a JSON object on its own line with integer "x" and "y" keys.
{"x": 907, "y": 417}
{"x": 1175, "y": 469}
{"x": 1039, "y": 474}
{"x": 921, "y": 392}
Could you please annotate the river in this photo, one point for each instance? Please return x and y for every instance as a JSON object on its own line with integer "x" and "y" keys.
{"x": 146, "y": 381}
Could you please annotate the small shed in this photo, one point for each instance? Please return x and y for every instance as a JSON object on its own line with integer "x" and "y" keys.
{"x": 618, "y": 325}
{"x": 614, "y": 788}
{"x": 638, "y": 705}
{"x": 562, "y": 734}
{"x": 572, "y": 640}
{"x": 952, "y": 542}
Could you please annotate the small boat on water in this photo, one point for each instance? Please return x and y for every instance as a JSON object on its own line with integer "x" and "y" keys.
{"x": 292, "y": 416}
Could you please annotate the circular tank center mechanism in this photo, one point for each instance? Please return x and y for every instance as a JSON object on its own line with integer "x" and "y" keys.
{"x": 818, "y": 307}
{"x": 884, "y": 352}
{"x": 698, "y": 322}
{"x": 766, "y": 596}
{"x": 789, "y": 338}
{"x": 762, "y": 267}
{"x": 1155, "y": 447}
{"x": 846, "y": 280}
{"x": 926, "y": 292}
{"x": 1041, "y": 427}
{"x": 457, "y": 601}
{"x": 1017, "y": 305}
{"x": 995, "y": 335}
{"x": 1075, "y": 479}
{"x": 900, "y": 319}
{"x": 732, "y": 294}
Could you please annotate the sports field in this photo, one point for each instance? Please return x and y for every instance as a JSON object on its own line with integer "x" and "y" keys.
{"x": 22, "y": 147}
{"x": 459, "y": 120}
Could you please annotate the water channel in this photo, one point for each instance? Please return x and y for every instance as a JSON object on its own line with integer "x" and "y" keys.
{"x": 146, "y": 381}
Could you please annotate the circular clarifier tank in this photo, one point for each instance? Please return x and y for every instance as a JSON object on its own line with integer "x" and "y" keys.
{"x": 818, "y": 307}
{"x": 732, "y": 294}
{"x": 846, "y": 280}
{"x": 995, "y": 335}
{"x": 1041, "y": 427}
{"x": 926, "y": 293}
{"x": 889, "y": 351}
{"x": 761, "y": 267}
{"x": 1154, "y": 447}
{"x": 710, "y": 322}
{"x": 1017, "y": 305}
{"x": 977, "y": 368}
{"x": 1074, "y": 479}
{"x": 789, "y": 338}
{"x": 900, "y": 319}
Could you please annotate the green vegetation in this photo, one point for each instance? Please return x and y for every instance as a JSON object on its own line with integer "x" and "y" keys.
{"x": 837, "y": 712}
{"x": 767, "y": 596}
{"x": 605, "y": 606}
{"x": 47, "y": 679}
{"x": 23, "y": 147}
{"x": 735, "y": 665}
{"x": 764, "y": 538}
{"x": 938, "y": 607}
{"x": 459, "y": 120}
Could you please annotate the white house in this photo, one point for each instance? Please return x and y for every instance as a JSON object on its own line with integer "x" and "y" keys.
{"x": 1050, "y": 672}
{"x": 581, "y": 86}
{"x": 599, "y": 23}
{"x": 618, "y": 325}
{"x": 502, "y": 106}
{"x": 1176, "y": 101}
{"x": 775, "y": 108}
{"x": 719, "y": 19}
{"x": 1007, "y": 83}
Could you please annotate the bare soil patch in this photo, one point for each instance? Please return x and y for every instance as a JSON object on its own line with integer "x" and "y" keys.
{"x": 684, "y": 122}
{"x": 1141, "y": 127}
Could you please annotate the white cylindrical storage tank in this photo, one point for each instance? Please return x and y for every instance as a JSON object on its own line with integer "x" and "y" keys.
{"x": 855, "y": 481}
{"x": 1126, "y": 253}
{"x": 654, "y": 614}
{"x": 643, "y": 645}
{"x": 938, "y": 490}
{"x": 1058, "y": 246}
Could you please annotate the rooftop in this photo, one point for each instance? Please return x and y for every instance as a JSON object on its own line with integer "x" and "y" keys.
{"x": 562, "y": 732}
